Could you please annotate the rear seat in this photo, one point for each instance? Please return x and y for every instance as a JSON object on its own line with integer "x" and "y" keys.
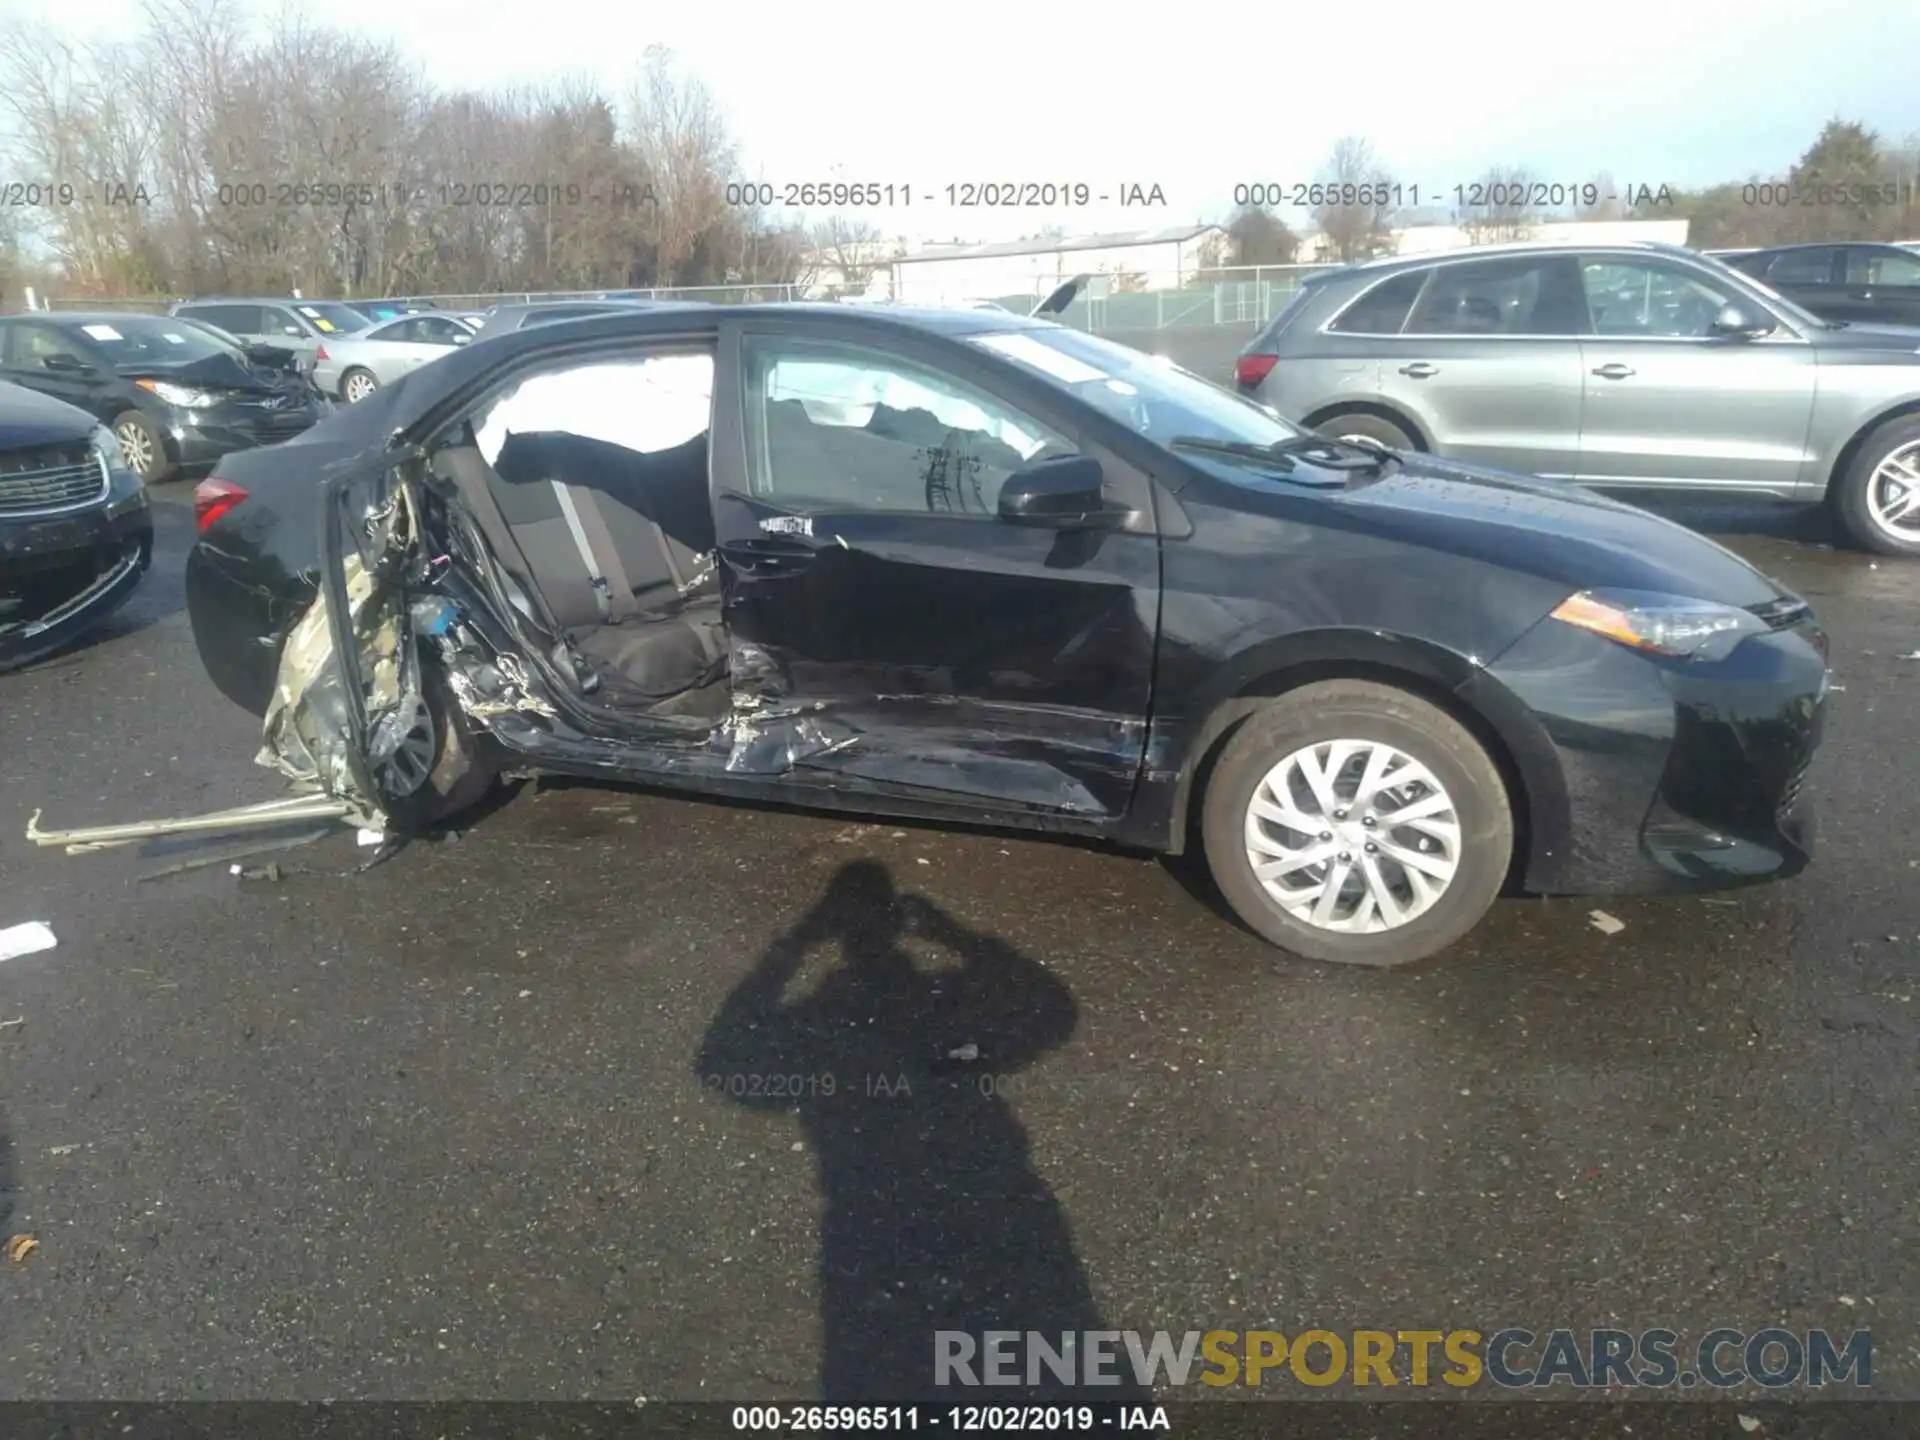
{"x": 613, "y": 581}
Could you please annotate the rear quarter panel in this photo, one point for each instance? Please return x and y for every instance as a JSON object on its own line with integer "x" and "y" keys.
{"x": 1854, "y": 392}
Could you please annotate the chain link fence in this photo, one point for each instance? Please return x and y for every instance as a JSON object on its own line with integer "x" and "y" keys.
{"x": 1202, "y": 320}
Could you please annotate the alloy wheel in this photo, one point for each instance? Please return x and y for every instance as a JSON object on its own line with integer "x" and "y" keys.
{"x": 1353, "y": 836}
{"x": 137, "y": 445}
{"x": 358, "y": 388}
{"x": 1893, "y": 492}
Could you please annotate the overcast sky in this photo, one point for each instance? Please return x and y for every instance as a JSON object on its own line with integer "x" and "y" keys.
{"x": 1199, "y": 95}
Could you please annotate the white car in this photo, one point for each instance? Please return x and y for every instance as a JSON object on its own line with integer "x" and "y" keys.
{"x": 353, "y": 367}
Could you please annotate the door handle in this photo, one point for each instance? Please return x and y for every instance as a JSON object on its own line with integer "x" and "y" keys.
{"x": 770, "y": 556}
{"x": 1615, "y": 371}
{"x": 1420, "y": 370}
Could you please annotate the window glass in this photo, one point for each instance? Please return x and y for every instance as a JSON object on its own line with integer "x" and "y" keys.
{"x": 28, "y": 346}
{"x": 1149, "y": 394}
{"x": 1526, "y": 295}
{"x": 1802, "y": 267}
{"x": 649, "y": 403}
{"x": 234, "y": 319}
{"x": 330, "y": 317}
{"x": 437, "y": 329}
{"x": 1882, "y": 267}
{"x": 1650, "y": 299}
{"x": 407, "y": 331}
{"x": 1383, "y": 309}
{"x": 855, "y": 429}
{"x": 139, "y": 341}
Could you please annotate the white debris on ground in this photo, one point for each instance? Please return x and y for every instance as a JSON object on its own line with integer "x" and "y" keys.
{"x": 1606, "y": 924}
{"x": 27, "y": 939}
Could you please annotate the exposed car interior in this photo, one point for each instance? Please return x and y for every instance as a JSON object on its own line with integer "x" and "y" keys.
{"x": 590, "y": 485}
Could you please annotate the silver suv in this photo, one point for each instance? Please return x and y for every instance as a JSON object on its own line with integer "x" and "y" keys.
{"x": 1625, "y": 367}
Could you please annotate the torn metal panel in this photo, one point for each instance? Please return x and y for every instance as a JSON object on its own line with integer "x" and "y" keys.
{"x": 272, "y": 812}
{"x": 774, "y": 742}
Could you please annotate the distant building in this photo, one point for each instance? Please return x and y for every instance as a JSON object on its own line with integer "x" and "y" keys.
{"x": 1161, "y": 258}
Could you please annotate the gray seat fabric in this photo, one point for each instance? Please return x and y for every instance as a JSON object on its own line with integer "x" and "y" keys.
{"x": 674, "y": 644}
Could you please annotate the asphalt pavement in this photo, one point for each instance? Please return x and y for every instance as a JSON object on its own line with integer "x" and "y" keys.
{"x": 550, "y": 1111}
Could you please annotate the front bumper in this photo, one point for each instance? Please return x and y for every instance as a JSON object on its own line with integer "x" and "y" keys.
{"x": 200, "y": 438}
{"x": 61, "y": 575}
{"x": 1678, "y": 775}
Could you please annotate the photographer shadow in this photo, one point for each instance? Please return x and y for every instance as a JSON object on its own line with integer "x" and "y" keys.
{"x": 934, "y": 1217}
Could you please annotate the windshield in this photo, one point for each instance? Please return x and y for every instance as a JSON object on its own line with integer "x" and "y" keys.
{"x": 330, "y": 318}
{"x": 1780, "y": 302}
{"x": 1151, "y": 395}
{"x": 136, "y": 341}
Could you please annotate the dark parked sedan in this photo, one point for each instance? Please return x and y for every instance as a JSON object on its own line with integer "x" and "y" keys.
{"x": 983, "y": 567}
{"x": 177, "y": 395}
{"x": 1854, "y": 284}
{"x": 75, "y": 532}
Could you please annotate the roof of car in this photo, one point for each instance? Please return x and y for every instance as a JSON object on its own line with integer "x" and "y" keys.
{"x": 88, "y": 317}
{"x": 1388, "y": 263}
{"x": 1822, "y": 245}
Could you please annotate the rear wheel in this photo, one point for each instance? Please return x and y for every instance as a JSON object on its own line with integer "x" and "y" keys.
{"x": 1354, "y": 822}
{"x": 357, "y": 384}
{"x": 436, "y": 768}
{"x": 144, "y": 446}
{"x": 1363, "y": 426}
{"x": 1877, "y": 501}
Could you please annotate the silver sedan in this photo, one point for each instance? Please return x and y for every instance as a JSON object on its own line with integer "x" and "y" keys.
{"x": 352, "y": 367}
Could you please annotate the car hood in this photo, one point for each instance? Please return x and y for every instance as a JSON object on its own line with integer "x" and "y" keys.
{"x": 1549, "y": 528}
{"x": 28, "y": 418}
{"x": 219, "y": 373}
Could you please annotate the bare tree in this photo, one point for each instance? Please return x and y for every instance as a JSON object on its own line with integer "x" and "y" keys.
{"x": 1356, "y": 215}
{"x": 682, "y": 143}
{"x": 1601, "y": 201}
{"x": 1500, "y": 206}
{"x": 852, "y": 251}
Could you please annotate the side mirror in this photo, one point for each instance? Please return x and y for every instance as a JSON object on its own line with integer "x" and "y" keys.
{"x": 1740, "y": 323}
{"x": 66, "y": 365}
{"x": 1065, "y": 494}
{"x": 463, "y": 339}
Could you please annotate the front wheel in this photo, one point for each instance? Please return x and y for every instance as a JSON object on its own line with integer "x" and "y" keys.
{"x": 144, "y": 446}
{"x": 1353, "y": 822}
{"x": 1361, "y": 426}
{"x": 1877, "y": 501}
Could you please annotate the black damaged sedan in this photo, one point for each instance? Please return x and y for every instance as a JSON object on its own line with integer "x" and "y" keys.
{"x": 972, "y": 566}
{"x": 75, "y": 531}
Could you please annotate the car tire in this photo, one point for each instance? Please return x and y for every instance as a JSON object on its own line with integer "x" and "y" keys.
{"x": 1377, "y": 719}
{"x": 462, "y": 774}
{"x": 357, "y": 384}
{"x": 1859, "y": 496}
{"x": 144, "y": 446}
{"x": 1372, "y": 427}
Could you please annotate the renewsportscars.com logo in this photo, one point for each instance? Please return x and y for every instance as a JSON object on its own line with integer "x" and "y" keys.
{"x": 1513, "y": 1358}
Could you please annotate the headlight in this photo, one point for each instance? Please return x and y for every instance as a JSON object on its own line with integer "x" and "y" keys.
{"x": 1657, "y": 624}
{"x": 106, "y": 445}
{"x": 183, "y": 395}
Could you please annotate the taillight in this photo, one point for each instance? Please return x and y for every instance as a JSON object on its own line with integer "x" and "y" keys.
{"x": 321, "y": 354}
{"x": 212, "y": 498}
{"x": 1250, "y": 370}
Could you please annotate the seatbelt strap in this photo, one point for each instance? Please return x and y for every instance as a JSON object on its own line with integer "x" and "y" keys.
{"x": 666, "y": 554}
{"x": 612, "y": 591}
